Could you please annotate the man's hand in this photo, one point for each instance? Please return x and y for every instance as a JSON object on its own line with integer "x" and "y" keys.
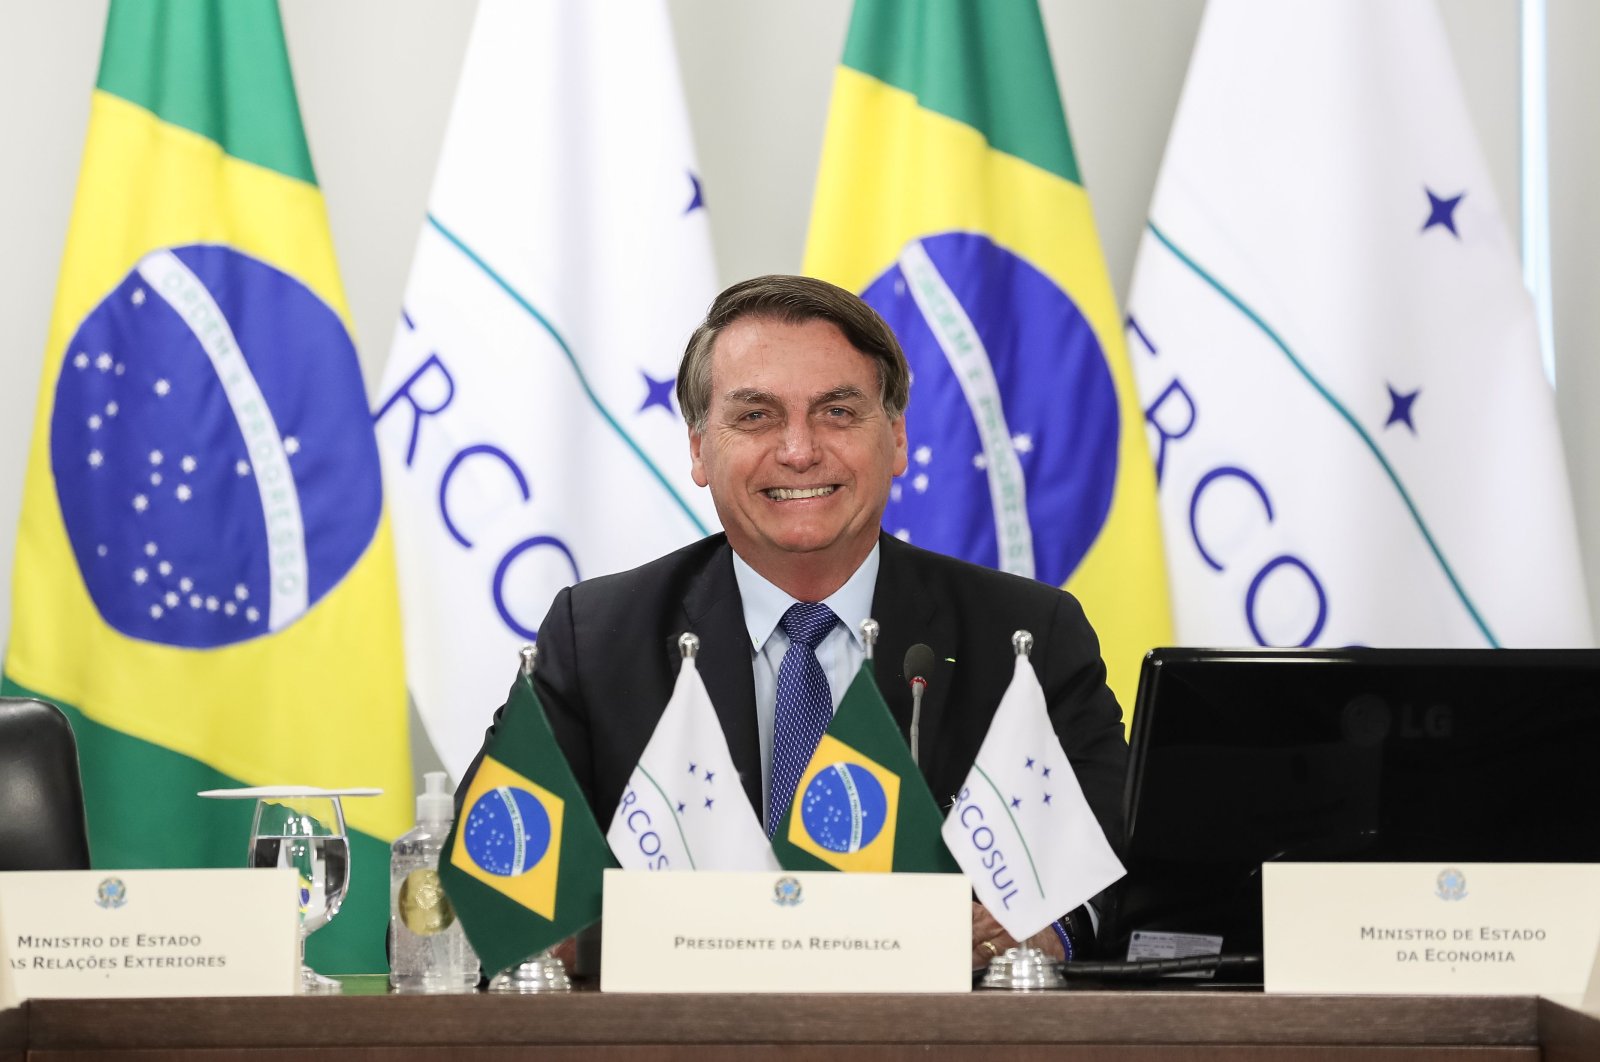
{"x": 987, "y": 935}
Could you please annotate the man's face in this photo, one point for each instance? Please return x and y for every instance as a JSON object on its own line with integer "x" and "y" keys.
{"x": 797, "y": 450}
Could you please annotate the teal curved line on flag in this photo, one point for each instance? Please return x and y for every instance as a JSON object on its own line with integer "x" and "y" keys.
{"x": 583, "y": 381}
{"x": 1355, "y": 425}
{"x": 1021, "y": 837}
{"x": 669, "y": 803}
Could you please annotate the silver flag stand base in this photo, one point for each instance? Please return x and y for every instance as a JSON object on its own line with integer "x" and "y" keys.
{"x": 1023, "y": 969}
{"x": 542, "y": 973}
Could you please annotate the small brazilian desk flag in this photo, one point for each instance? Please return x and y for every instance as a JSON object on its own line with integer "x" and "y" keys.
{"x": 205, "y": 579}
{"x": 861, "y": 803}
{"x": 522, "y": 865}
{"x": 949, "y": 197}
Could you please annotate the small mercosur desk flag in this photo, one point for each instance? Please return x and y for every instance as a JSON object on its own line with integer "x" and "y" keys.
{"x": 862, "y": 804}
{"x": 684, "y": 807}
{"x": 523, "y": 863}
{"x": 1021, "y": 828}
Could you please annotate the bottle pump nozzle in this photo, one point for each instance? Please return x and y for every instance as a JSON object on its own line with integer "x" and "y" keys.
{"x": 435, "y": 803}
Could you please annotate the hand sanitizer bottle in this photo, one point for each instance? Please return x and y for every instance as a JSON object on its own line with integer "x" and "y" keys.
{"x": 428, "y": 952}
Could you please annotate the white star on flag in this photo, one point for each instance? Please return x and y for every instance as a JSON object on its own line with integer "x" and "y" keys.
{"x": 699, "y": 818}
{"x": 1022, "y": 801}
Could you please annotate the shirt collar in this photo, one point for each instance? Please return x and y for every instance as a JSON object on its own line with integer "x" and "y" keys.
{"x": 765, "y": 604}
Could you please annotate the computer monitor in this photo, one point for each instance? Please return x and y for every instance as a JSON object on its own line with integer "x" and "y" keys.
{"x": 1239, "y": 757}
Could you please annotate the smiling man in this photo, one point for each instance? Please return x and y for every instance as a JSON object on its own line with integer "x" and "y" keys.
{"x": 795, "y": 394}
{"x": 792, "y": 430}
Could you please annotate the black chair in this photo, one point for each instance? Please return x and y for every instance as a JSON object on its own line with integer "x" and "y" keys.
{"x": 42, "y": 825}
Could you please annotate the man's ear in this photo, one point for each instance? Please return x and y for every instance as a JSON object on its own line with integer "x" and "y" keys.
{"x": 901, "y": 461}
{"x": 697, "y": 467}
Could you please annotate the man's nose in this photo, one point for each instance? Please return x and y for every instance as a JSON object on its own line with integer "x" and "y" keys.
{"x": 798, "y": 446}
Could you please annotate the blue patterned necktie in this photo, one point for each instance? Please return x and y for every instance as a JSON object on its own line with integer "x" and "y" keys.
{"x": 805, "y": 704}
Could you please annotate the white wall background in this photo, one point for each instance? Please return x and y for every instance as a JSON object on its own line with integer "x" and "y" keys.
{"x": 376, "y": 77}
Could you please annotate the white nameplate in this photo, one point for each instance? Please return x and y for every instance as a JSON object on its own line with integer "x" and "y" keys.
{"x": 1462, "y": 928}
{"x": 96, "y": 933}
{"x": 771, "y": 931}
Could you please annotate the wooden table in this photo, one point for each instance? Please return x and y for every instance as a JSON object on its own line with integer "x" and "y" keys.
{"x": 1074, "y": 1025}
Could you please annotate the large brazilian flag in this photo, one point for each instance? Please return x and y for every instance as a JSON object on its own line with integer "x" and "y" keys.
{"x": 204, "y": 575}
{"x": 950, "y": 198}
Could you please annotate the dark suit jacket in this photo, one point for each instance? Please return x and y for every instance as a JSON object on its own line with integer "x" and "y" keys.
{"x": 608, "y": 658}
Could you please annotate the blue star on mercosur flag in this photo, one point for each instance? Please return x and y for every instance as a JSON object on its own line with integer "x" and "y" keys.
{"x": 657, "y": 392}
{"x": 1400, "y": 403}
{"x": 1442, "y": 211}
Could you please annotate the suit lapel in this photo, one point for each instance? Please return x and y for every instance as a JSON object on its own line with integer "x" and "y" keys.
{"x": 907, "y": 613}
{"x": 712, "y": 609}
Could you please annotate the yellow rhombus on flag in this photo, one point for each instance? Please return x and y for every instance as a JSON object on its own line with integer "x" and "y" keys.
{"x": 204, "y": 574}
{"x": 949, "y": 197}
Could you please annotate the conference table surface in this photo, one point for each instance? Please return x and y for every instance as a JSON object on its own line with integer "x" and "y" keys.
{"x": 1083, "y": 1024}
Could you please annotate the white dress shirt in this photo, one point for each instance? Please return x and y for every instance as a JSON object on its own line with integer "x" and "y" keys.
{"x": 840, "y": 652}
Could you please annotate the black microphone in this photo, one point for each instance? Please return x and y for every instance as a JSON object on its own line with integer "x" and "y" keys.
{"x": 919, "y": 664}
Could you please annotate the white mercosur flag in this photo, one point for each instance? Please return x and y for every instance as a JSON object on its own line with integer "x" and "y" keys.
{"x": 1355, "y": 442}
{"x": 1020, "y": 828}
{"x": 684, "y": 807}
{"x": 527, "y": 424}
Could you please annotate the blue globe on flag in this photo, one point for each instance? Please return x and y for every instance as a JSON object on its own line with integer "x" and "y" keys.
{"x": 844, "y": 808}
{"x": 1054, "y": 418}
{"x": 507, "y": 831}
{"x": 210, "y": 494}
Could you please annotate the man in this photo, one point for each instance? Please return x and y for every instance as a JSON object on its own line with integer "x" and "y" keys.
{"x": 795, "y": 392}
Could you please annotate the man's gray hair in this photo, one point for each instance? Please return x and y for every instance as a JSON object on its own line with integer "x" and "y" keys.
{"x": 792, "y": 300}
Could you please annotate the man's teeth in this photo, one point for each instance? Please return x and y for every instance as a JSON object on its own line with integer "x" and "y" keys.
{"x": 794, "y": 493}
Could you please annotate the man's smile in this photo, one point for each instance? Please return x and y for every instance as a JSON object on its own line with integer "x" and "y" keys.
{"x": 797, "y": 493}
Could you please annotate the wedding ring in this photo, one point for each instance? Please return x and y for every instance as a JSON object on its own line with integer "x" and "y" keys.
{"x": 994, "y": 952}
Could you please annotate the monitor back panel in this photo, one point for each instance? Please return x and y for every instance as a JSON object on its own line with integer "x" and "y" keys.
{"x": 1241, "y": 757}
